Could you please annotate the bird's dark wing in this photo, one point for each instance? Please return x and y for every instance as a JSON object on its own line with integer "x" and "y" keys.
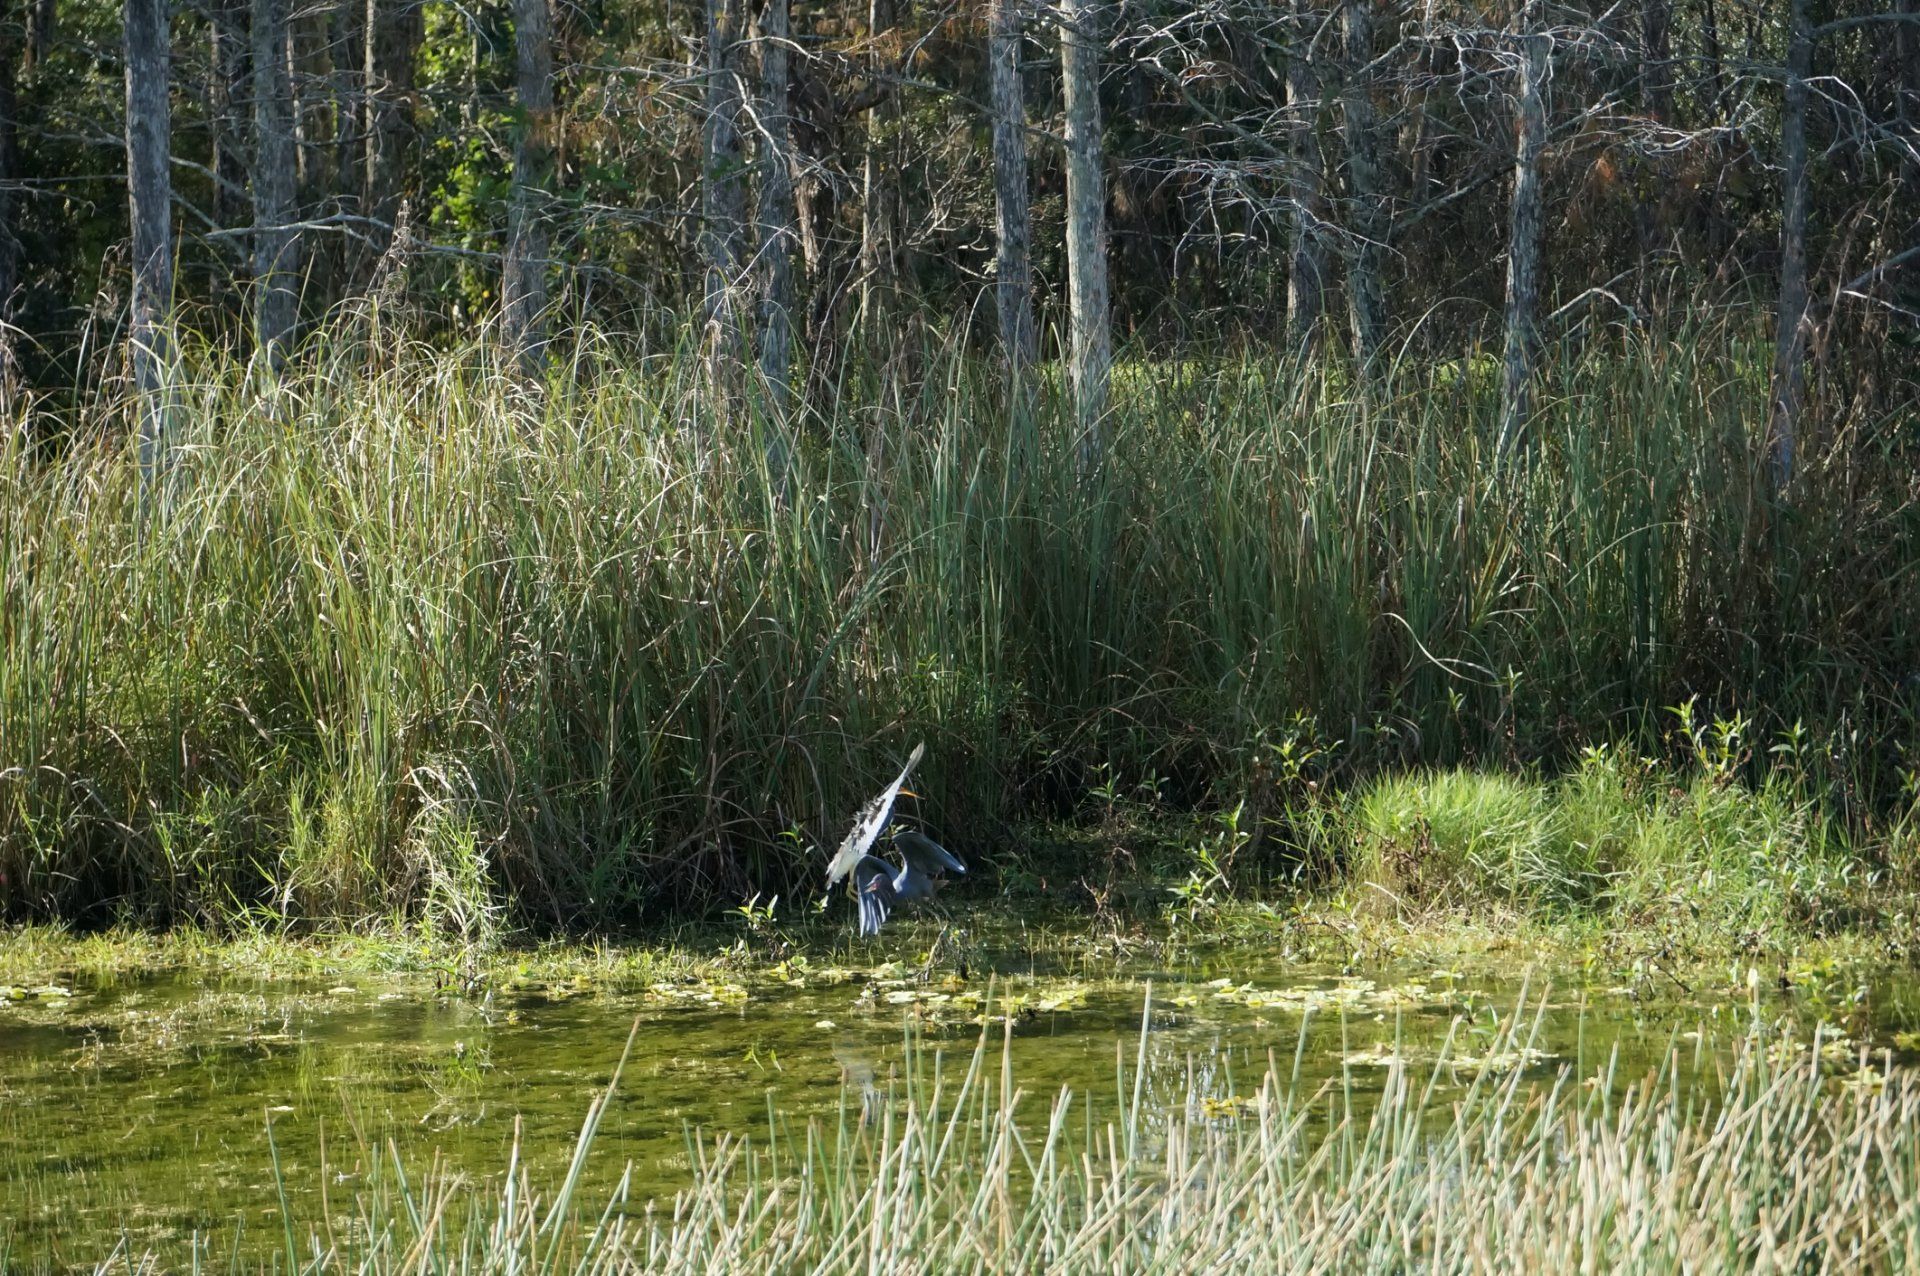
{"x": 873, "y": 887}
{"x": 925, "y": 854}
{"x": 870, "y": 822}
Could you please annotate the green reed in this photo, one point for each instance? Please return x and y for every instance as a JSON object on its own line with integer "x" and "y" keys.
{"x": 402, "y": 636}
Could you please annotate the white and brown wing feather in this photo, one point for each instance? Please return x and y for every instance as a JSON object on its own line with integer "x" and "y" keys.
{"x": 871, "y": 822}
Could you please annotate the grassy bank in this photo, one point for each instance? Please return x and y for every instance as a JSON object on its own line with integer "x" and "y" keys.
{"x": 1620, "y": 867}
{"x": 405, "y": 642}
{"x": 1461, "y": 1163}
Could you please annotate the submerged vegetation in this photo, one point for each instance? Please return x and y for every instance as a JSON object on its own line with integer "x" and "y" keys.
{"x": 407, "y": 639}
{"x": 1466, "y": 1161}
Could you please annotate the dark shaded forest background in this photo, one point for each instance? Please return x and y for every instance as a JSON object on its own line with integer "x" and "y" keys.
{"x": 1662, "y": 167}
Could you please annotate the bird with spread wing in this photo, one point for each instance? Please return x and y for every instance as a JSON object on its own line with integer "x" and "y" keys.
{"x": 878, "y": 885}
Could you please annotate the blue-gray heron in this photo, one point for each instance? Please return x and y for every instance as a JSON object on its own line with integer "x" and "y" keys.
{"x": 881, "y": 886}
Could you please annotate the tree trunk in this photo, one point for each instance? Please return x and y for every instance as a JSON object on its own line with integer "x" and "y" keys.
{"x": 1524, "y": 228}
{"x": 831, "y": 272}
{"x": 394, "y": 30}
{"x": 724, "y": 193}
{"x": 1715, "y": 61}
{"x": 9, "y": 178}
{"x": 523, "y": 284}
{"x": 348, "y": 24}
{"x": 1013, "y": 265}
{"x": 1091, "y": 343}
{"x": 1790, "y": 320}
{"x": 777, "y": 230}
{"x": 1307, "y": 280}
{"x": 876, "y": 226}
{"x": 149, "y": 128}
{"x": 276, "y": 248}
{"x": 1907, "y": 109}
{"x": 1656, "y": 59}
{"x": 228, "y": 116}
{"x": 1368, "y": 227}
{"x": 39, "y": 21}
{"x": 307, "y": 69}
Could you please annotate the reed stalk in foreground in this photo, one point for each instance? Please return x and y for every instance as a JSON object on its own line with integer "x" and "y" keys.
{"x": 1464, "y": 1165}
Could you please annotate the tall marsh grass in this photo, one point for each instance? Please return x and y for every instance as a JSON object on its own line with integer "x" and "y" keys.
{"x": 406, "y": 636}
{"x": 1615, "y": 834}
{"x": 1771, "y": 1163}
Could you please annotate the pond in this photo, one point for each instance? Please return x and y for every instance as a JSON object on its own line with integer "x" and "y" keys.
{"x": 138, "y": 1113}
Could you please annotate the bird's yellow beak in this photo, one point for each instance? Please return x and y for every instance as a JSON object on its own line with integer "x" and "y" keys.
{"x": 908, "y": 793}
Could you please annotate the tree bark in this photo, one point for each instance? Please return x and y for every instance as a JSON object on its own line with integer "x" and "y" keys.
{"x": 39, "y": 19}
{"x": 394, "y": 30}
{"x": 777, "y": 229}
{"x": 307, "y": 75}
{"x": 1907, "y": 108}
{"x": 1307, "y": 279}
{"x": 723, "y": 189}
{"x": 1790, "y": 318}
{"x": 276, "y": 247}
{"x": 818, "y": 125}
{"x": 9, "y": 177}
{"x": 149, "y": 129}
{"x": 1656, "y": 59}
{"x": 1013, "y": 260}
{"x": 1368, "y": 228}
{"x": 1715, "y": 61}
{"x": 227, "y": 111}
{"x": 347, "y": 24}
{"x": 523, "y": 285}
{"x": 1524, "y": 229}
{"x": 876, "y": 226}
{"x": 1090, "y": 341}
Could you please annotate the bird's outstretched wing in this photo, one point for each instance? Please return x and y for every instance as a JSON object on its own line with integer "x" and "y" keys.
{"x": 873, "y": 886}
{"x": 871, "y": 821}
{"x": 926, "y": 855}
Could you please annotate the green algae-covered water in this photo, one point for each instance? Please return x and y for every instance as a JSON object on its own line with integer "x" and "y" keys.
{"x": 138, "y": 1114}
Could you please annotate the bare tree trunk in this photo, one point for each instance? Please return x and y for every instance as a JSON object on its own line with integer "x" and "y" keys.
{"x": 1366, "y": 297}
{"x": 1715, "y": 61}
{"x": 149, "y": 127}
{"x": 227, "y": 111}
{"x": 1656, "y": 103}
{"x": 1524, "y": 228}
{"x": 349, "y": 38}
{"x": 9, "y": 177}
{"x": 876, "y": 226}
{"x": 1013, "y": 263}
{"x": 523, "y": 284}
{"x": 1091, "y": 342}
{"x": 817, "y": 121}
{"x": 10, "y": 58}
{"x": 1907, "y": 109}
{"x": 276, "y": 248}
{"x": 1307, "y": 279}
{"x": 1790, "y": 319}
{"x": 777, "y": 230}
{"x": 39, "y": 20}
{"x": 394, "y": 30}
{"x": 1656, "y": 59}
{"x": 724, "y": 191}
{"x": 307, "y": 69}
